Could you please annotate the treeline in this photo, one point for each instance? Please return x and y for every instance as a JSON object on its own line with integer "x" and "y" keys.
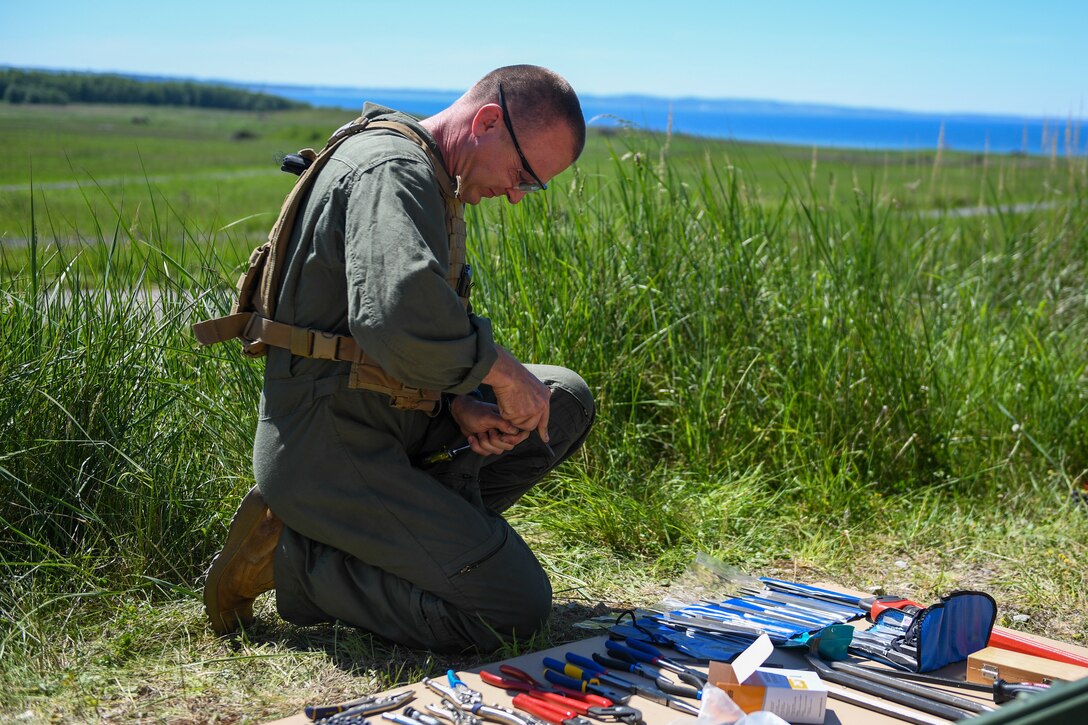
{"x": 32, "y": 86}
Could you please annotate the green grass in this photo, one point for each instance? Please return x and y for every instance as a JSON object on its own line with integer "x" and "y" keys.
{"x": 171, "y": 171}
{"x": 799, "y": 369}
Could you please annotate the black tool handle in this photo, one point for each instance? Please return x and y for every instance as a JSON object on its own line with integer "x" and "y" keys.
{"x": 1006, "y": 691}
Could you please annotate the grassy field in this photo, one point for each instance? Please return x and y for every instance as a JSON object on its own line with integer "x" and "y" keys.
{"x": 852, "y": 366}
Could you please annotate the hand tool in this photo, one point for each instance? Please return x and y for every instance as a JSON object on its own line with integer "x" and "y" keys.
{"x": 594, "y": 706}
{"x": 561, "y": 679}
{"x": 729, "y": 612}
{"x": 605, "y": 664}
{"x": 613, "y": 684}
{"x": 692, "y": 645}
{"x": 419, "y": 716}
{"x": 872, "y": 606}
{"x": 916, "y": 688}
{"x": 849, "y": 612}
{"x": 644, "y": 652}
{"x": 369, "y": 705}
{"x": 912, "y": 700}
{"x": 461, "y": 700}
{"x": 443, "y": 454}
{"x": 734, "y": 626}
{"x": 402, "y": 719}
{"x": 1008, "y": 691}
{"x": 789, "y": 613}
{"x": 513, "y": 678}
{"x": 548, "y": 711}
{"x": 1001, "y": 690}
{"x": 758, "y": 615}
{"x": 649, "y": 692}
{"x": 879, "y": 649}
{"x": 1000, "y": 637}
{"x": 458, "y": 692}
{"x": 452, "y": 713}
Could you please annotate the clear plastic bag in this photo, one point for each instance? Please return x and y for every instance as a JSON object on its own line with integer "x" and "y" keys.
{"x": 706, "y": 578}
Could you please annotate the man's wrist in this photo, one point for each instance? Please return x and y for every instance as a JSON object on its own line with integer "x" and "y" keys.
{"x": 451, "y": 398}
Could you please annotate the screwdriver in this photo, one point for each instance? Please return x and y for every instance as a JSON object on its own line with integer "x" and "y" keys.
{"x": 635, "y": 651}
{"x": 443, "y": 454}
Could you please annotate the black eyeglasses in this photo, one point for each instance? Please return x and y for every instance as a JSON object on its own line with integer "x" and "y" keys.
{"x": 539, "y": 185}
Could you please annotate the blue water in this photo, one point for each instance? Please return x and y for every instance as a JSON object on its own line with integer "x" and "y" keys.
{"x": 787, "y": 123}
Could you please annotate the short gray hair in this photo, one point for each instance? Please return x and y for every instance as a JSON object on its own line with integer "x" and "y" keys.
{"x": 538, "y": 97}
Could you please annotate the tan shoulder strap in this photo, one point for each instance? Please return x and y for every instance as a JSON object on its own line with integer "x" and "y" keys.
{"x": 252, "y": 318}
{"x": 278, "y": 237}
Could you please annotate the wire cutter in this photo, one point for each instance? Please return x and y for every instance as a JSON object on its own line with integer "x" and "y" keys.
{"x": 369, "y": 705}
{"x": 570, "y": 700}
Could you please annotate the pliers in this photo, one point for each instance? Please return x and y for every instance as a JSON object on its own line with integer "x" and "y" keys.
{"x": 548, "y": 710}
{"x": 453, "y": 714}
{"x": 605, "y": 663}
{"x": 567, "y": 700}
{"x": 568, "y": 677}
{"x": 411, "y": 716}
{"x": 598, "y": 675}
{"x": 464, "y": 706}
{"x": 369, "y": 705}
{"x": 456, "y": 692}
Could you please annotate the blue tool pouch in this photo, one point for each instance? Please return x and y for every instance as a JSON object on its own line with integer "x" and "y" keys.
{"x": 938, "y": 635}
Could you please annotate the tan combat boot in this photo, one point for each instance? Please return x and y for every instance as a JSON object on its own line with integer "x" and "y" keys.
{"x": 243, "y": 568}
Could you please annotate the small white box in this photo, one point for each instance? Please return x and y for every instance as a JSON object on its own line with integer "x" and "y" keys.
{"x": 797, "y": 696}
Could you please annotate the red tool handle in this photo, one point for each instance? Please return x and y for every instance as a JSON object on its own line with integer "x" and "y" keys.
{"x": 492, "y": 679}
{"x": 519, "y": 674}
{"x": 545, "y": 710}
{"x": 876, "y": 605}
{"x": 579, "y": 702}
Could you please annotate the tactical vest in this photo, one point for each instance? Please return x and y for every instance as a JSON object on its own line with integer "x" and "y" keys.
{"x": 252, "y": 318}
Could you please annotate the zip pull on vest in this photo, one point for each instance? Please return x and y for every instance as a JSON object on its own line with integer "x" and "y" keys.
{"x": 252, "y": 318}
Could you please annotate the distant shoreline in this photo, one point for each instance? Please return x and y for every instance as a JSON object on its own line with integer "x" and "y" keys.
{"x": 760, "y": 121}
{"x": 763, "y": 121}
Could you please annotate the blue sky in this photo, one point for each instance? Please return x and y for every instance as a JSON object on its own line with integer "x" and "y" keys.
{"x": 1022, "y": 58}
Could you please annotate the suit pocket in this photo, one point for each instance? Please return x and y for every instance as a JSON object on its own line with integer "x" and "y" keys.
{"x": 285, "y": 396}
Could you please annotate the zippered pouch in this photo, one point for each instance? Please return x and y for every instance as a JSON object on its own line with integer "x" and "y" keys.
{"x": 939, "y": 635}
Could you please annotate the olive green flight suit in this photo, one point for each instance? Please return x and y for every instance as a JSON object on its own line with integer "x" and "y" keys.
{"x": 420, "y": 557}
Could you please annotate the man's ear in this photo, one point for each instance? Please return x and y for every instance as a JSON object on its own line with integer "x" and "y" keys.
{"x": 487, "y": 119}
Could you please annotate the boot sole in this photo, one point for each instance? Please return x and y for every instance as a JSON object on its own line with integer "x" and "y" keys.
{"x": 249, "y": 515}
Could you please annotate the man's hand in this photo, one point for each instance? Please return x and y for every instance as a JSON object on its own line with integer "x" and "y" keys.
{"x": 523, "y": 400}
{"x": 486, "y": 431}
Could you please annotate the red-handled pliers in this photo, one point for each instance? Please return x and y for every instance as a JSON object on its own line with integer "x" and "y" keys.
{"x": 517, "y": 679}
{"x": 548, "y": 710}
{"x": 564, "y": 701}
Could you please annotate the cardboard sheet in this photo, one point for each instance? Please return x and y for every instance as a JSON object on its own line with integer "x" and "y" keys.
{"x": 838, "y": 712}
